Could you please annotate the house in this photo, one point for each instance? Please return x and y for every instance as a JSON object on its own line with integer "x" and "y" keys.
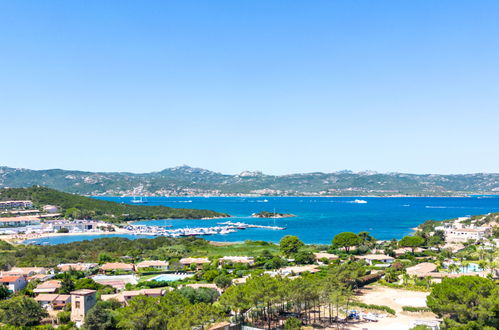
{"x": 199, "y": 262}
{"x": 81, "y": 302}
{"x": 50, "y": 208}
{"x": 50, "y": 286}
{"x": 125, "y": 296}
{"x": 40, "y": 277}
{"x": 83, "y": 267}
{"x": 53, "y": 300}
{"x": 27, "y": 271}
{"x": 376, "y": 258}
{"x": 241, "y": 260}
{"x": 116, "y": 281}
{"x": 156, "y": 264}
{"x": 422, "y": 269}
{"x": 319, "y": 256}
{"x": 401, "y": 251}
{"x": 294, "y": 270}
{"x": 113, "y": 266}
{"x": 465, "y": 234}
{"x": 14, "y": 283}
{"x": 16, "y": 204}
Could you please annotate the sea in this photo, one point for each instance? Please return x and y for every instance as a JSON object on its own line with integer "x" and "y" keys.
{"x": 317, "y": 220}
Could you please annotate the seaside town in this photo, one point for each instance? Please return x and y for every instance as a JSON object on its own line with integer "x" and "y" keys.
{"x": 393, "y": 287}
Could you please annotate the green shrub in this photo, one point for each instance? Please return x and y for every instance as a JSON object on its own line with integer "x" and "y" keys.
{"x": 376, "y": 307}
{"x": 415, "y": 309}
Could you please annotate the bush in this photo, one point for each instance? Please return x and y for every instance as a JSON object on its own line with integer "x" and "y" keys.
{"x": 376, "y": 307}
{"x": 292, "y": 324}
{"x": 64, "y": 317}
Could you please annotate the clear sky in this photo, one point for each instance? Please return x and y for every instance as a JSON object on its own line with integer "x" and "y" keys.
{"x": 278, "y": 86}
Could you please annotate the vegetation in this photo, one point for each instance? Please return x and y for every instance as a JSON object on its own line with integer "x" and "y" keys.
{"x": 469, "y": 302}
{"x": 346, "y": 240}
{"x": 21, "y": 311}
{"x": 375, "y": 307}
{"x": 415, "y": 309}
{"x": 80, "y": 207}
{"x": 412, "y": 242}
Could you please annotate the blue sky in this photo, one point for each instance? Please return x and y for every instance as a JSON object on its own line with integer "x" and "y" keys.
{"x": 277, "y": 86}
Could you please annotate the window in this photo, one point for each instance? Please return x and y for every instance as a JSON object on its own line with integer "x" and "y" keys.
{"x": 77, "y": 304}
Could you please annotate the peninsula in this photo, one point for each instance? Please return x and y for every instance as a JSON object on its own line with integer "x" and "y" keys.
{"x": 266, "y": 214}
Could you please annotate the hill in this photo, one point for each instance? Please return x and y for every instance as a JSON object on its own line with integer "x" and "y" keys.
{"x": 90, "y": 208}
{"x": 188, "y": 181}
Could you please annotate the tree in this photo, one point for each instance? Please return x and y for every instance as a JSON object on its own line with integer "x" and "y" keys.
{"x": 304, "y": 257}
{"x": 346, "y": 240}
{"x": 411, "y": 242}
{"x": 21, "y": 311}
{"x": 67, "y": 284}
{"x": 4, "y": 292}
{"x": 466, "y": 300}
{"x": 222, "y": 281}
{"x": 101, "y": 316}
{"x": 289, "y": 245}
{"x": 292, "y": 324}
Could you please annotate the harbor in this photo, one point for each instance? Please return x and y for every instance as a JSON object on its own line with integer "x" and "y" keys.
{"x": 222, "y": 228}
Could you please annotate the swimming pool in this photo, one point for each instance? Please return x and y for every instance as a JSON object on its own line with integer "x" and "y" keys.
{"x": 170, "y": 277}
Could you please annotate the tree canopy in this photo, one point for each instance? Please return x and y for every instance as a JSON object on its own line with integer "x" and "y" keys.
{"x": 466, "y": 301}
{"x": 289, "y": 245}
{"x": 346, "y": 240}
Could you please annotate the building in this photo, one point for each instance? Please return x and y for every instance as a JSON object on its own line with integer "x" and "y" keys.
{"x": 199, "y": 262}
{"x": 50, "y": 208}
{"x": 14, "y": 283}
{"x": 240, "y": 260}
{"x": 72, "y": 226}
{"x": 422, "y": 269}
{"x": 16, "y": 204}
{"x": 53, "y": 301}
{"x": 125, "y": 296}
{"x": 465, "y": 234}
{"x": 401, "y": 251}
{"x": 26, "y": 271}
{"x": 81, "y": 302}
{"x": 113, "y": 266}
{"x": 319, "y": 256}
{"x": 50, "y": 286}
{"x": 376, "y": 258}
{"x": 156, "y": 264}
{"x": 19, "y": 221}
{"x": 83, "y": 267}
{"x": 116, "y": 281}
{"x": 294, "y": 270}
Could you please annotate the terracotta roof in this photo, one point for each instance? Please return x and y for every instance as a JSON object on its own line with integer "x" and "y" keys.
{"x": 46, "y": 297}
{"x": 321, "y": 255}
{"x": 9, "y": 279}
{"x": 375, "y": 257}
{"x": 49, "y": 284}
{"x": 151, "y": 263}
{"x": 188, "y": 261}
{"x": 117, "y": 265}
{"x": 421, "y": 269}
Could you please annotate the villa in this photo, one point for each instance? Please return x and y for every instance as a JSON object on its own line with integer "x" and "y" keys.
{"x": 125, "y": 296}
{"x": 465, "y": 234}
{"x": 199, "y": 262}
{"x": 324, "y": 255}
{"x": 113, "y": 266}
{"x": 50, "y": 286}
{"x": 422, "y": 269}
{"x": 294, "y": 270}
{"x": 156, "y": 264}
{"x": 241, "y": 260}
{"x": 14, "y": 283}
{"x": 26, "y": 271}
{"x": 83, "y": 267}
{"x": 19, "y": 221}
{"x": 376, "y": 258}
{"x": 53, "y": 300}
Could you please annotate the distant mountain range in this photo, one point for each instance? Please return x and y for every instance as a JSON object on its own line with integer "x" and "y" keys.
{"x": 189, "y": 181}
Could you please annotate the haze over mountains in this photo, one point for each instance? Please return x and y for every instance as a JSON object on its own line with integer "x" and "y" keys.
{"x": 189, "y": 181}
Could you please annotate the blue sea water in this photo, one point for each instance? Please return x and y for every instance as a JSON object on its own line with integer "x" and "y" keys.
{"x": 317, "y": 219}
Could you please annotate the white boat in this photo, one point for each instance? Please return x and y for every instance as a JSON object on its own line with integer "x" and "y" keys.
{"x": 360, "y": 201}
{"x": 138, "y": 201}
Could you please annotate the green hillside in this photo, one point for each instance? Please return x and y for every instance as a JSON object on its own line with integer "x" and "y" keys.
{"x": 90, "y": 208}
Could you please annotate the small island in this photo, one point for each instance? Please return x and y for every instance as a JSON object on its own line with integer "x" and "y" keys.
{"x": 266, "y": 214}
